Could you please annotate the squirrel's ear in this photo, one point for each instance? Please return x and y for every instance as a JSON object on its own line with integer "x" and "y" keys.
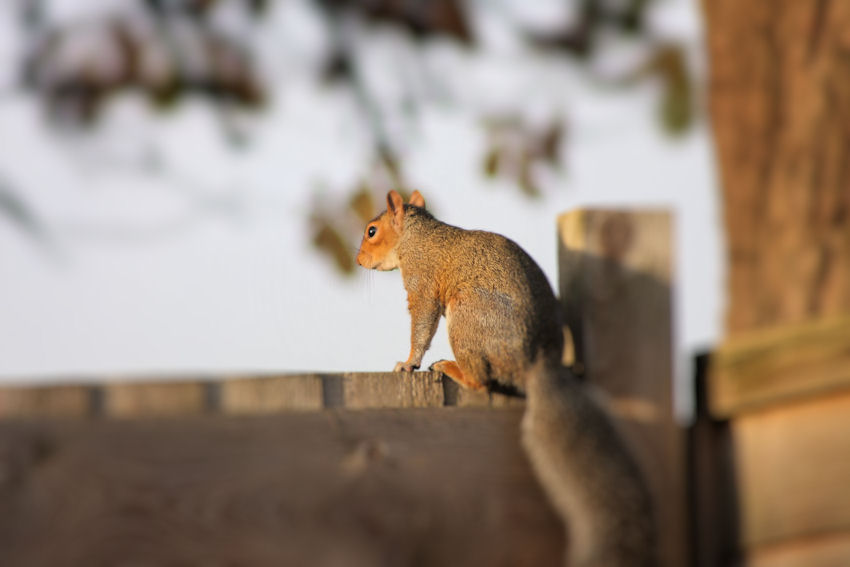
{"x": 417, "y": 200}
{"x": 395, "y": 206}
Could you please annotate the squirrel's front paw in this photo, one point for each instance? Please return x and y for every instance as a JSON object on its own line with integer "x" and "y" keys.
{"x": 405, "y": 367}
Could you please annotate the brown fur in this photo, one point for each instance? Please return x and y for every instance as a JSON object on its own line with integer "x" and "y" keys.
{"x": 505, "y": 331}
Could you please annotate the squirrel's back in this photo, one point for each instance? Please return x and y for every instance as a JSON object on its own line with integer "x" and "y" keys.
{"x": 499, "y": 306}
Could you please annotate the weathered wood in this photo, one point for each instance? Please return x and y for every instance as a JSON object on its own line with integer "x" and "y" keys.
{"x": 792, "y": 465}
{"x": 426, "y": 487}
{"x": 392, "y": 389}
{"x": 780, "y": 105}
{"x": 155, "y": 399}
{"x": 48, "y": 401}
{"x": 781, "y": 364}
{"x": 615, "y": 285}
{"x": 811, "y": 552}
{"x": 251, "y": 395}
{"x": 245, "y": 395}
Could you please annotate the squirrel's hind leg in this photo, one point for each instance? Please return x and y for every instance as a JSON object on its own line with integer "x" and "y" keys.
{"x": 451, "y": 369}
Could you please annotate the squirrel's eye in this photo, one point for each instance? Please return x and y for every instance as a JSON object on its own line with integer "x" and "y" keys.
{"x": 371, "y": 232}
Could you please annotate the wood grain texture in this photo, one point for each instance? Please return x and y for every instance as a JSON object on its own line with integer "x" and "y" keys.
{"x": 61, "y": 401}
{"x": 244, "y": 395}
{"x": 615, "y": 285}
{"x": 809, "y": 552}
{"x": 780, "y": 105}
{"x": 146, "y": 399}
{"x": 781, "y": 364}
{"x": 392, "y": 389}
{"x": 424, "y": 487}
{"x": 792, "y": 465}
{"x": 269, "y": 394}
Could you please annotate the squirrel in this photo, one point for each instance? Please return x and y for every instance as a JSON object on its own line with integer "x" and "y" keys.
{"x": 505, "y": 331}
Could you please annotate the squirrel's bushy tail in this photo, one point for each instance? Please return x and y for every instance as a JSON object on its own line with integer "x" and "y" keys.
{"x": 585, "y": 468}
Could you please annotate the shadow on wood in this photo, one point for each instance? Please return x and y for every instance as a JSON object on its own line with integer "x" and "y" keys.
{"x": 425, "y": 487}
{"x": 615, "y": 282}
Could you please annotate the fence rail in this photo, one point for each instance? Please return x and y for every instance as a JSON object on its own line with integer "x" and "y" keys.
{"x": 242, "y": 395}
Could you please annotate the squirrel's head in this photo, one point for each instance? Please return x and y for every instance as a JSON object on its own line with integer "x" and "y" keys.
{"x": 379, "y": 247}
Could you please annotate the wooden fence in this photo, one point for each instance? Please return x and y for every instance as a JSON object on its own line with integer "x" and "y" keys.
{"x": 241, "y": 395}
{"x": 207, "y": 473}
{"x": 772, "y": 448}
{"x": 344, "y": 469}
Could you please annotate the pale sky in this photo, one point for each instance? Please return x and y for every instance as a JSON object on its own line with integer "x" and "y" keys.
{"x": 208, "y": 268}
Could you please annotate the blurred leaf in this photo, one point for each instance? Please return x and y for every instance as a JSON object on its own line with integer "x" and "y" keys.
{"x": 632, "y": 18}
{"x": 491, "y": 162}
{"x": 441, "y": 16}
{"x": 331, "y": 243}
{"x": 676, "y": 105}
{"x": 669, "y": 65}
{"x": 515, "y": 147}
{"x": 198, "y": 8}
{"x": 422, "y": 18}
{"x": 550, "y": 142}
{"x": 577, "y": 42}
{"x": 337, "y": 67}
{"x": 580, "y": 39}
{"x": 249, "y": 93}
{"x": 75, "y": 88}
{"x": 362, "y": 203}
{"x": 676, "y": 108}
{"x": 258, "y": 7}
{"x": 388, "y": 159}
{"x": 526, "y": 180}
{"x": 156, "y": 6}
{"x": 129, "y": 50}
{"x": 164, "y": 92}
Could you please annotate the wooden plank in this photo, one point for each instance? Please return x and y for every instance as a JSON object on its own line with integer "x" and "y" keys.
{"x": 271, "y": 394}
{"x": 48, "y": 401}
{"x": 154, "y": 399}
{"x": 831, "y": 551}
{"x": 713, "y": 502}
{"x": 792, "y": 465}
{"x": 615, "y": 285}
{"x": 426, "y": 487}
{"x": 780, "y": 364}
{"x": 363, "y": 390}
{"x": 246, "y": 395}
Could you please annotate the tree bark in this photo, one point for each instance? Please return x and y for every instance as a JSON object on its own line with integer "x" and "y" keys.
{"x": 780, "y": 106}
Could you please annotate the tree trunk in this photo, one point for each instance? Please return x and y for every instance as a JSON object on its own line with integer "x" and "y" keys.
{"x": 780, "y": 106}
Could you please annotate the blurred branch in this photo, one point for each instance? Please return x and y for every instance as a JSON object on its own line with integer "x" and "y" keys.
{"x": 516, "y": 148}
{"x": 21, "y": 215}
{"x": 77, "y": 68}
{"x": 423, "y": 19}
{"x": 667, "y": 64}
{"x": 343, "y": 65}
{"x": 579, "y": 39}
{"x": 177, "y": 49}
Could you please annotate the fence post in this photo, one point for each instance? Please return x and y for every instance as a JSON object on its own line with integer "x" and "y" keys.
{"x": 615, "y": 282}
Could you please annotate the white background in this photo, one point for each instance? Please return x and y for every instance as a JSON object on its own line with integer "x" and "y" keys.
{"x": 206, "y": 266}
